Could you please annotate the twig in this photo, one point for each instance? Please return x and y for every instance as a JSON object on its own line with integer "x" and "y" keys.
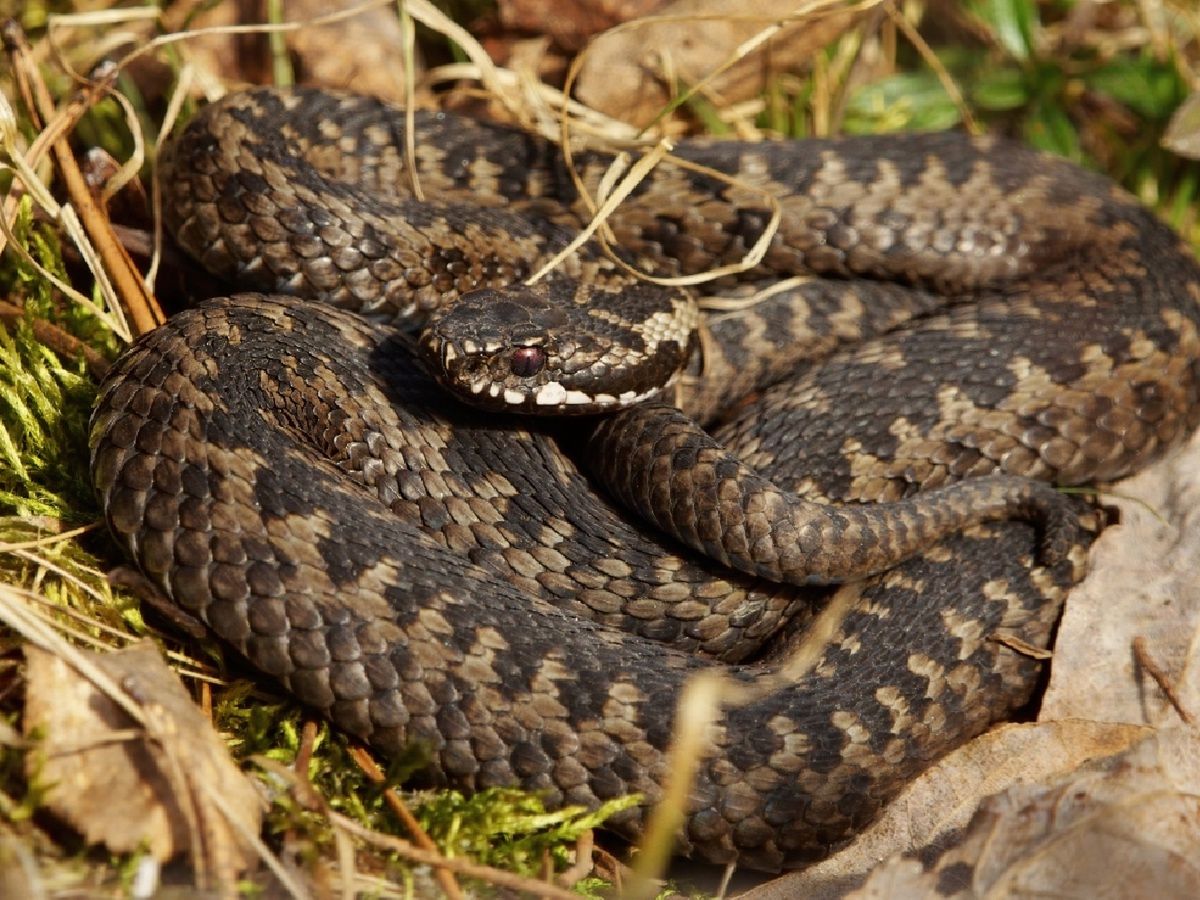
{"x": 498, "y": 877}
{"x": 1014, "y": 643}
{"x": 931, "y": 59}
{"x": 371, "y": 769}
{"x": 584, "y": 846}
{"x": 206, "y": 699}
{"x": 141, "y": 304}
{"x": 1141, "y": 653}
{"x": 308, "y": 740}
{"x": 47, "y": 540}
{"x": 56, "y": 339}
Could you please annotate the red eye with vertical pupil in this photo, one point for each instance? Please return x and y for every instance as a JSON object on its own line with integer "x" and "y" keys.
{"x": 527, "y": 361}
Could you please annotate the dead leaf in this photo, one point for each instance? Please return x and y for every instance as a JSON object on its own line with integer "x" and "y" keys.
{"x": 942, "y": 801}
{"x": 632, "y": 72}
{"x": 128, "y": 785}
{"x": 19, "y": 871}
{"x": 363, "y": 50}
{"x": 1142, "y": 582}
{"x": 571, "y": 22}
{"x": 1124, "y": 826}
{"x": 1183, "y": 133}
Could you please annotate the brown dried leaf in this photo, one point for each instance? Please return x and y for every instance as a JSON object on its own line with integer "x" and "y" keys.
{"x": 18, "y": 867}
{"x": 941, "y": 802}
{"x": 363, "y": 51}
{"x": 1142, "y": 582}
{"x": 127, "y": 785}
{"x": 623, "y": 72}
{"x": 1125, "y": 826}
{"x": 1183, "y": 133}
{"x": 571, "y": 22}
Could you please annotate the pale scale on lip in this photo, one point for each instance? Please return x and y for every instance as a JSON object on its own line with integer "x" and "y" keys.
{"x": 550, "y": 394}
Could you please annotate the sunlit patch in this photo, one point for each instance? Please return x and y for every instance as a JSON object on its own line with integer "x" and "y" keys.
{"x": 550, "y": 394}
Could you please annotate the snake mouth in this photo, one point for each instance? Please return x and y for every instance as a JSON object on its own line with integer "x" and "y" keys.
{"x": 534, "y": 351}
{"x": 527, "y": 379}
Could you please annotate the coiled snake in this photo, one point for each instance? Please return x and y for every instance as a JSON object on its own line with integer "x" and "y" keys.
{"x": 427, "y": 573}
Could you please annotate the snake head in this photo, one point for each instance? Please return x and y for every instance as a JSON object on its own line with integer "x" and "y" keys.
{"x": 544, "y": 349}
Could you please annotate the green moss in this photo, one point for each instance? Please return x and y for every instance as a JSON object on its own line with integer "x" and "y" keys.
{"x": 509, "y": 829}
{"x": 44, "y": 402}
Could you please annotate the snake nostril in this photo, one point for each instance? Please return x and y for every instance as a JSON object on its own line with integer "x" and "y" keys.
{"x": 527, "y": 361}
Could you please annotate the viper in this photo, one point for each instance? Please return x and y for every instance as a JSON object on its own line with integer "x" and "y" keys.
{"x": 941, "y": 325}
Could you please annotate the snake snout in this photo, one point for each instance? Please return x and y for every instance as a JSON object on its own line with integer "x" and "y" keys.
{"x": 544, "y": 350}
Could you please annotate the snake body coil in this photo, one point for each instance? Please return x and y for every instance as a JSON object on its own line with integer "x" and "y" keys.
{"x": 426, "y": 573}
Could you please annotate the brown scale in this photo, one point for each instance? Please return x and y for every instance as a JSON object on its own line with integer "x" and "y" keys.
{"x": 454, "y": 584}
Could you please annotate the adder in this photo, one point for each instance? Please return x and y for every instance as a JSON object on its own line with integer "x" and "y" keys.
{"x": 938, "y": 320}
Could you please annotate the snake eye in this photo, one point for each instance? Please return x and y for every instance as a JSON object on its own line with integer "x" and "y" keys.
{"x": 527, "y": 361}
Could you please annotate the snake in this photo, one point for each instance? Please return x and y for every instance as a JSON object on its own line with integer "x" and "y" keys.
{"x": 833, "y": 497}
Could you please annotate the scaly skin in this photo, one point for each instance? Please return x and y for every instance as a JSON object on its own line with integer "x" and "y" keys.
{"x": 424, "y": 573}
